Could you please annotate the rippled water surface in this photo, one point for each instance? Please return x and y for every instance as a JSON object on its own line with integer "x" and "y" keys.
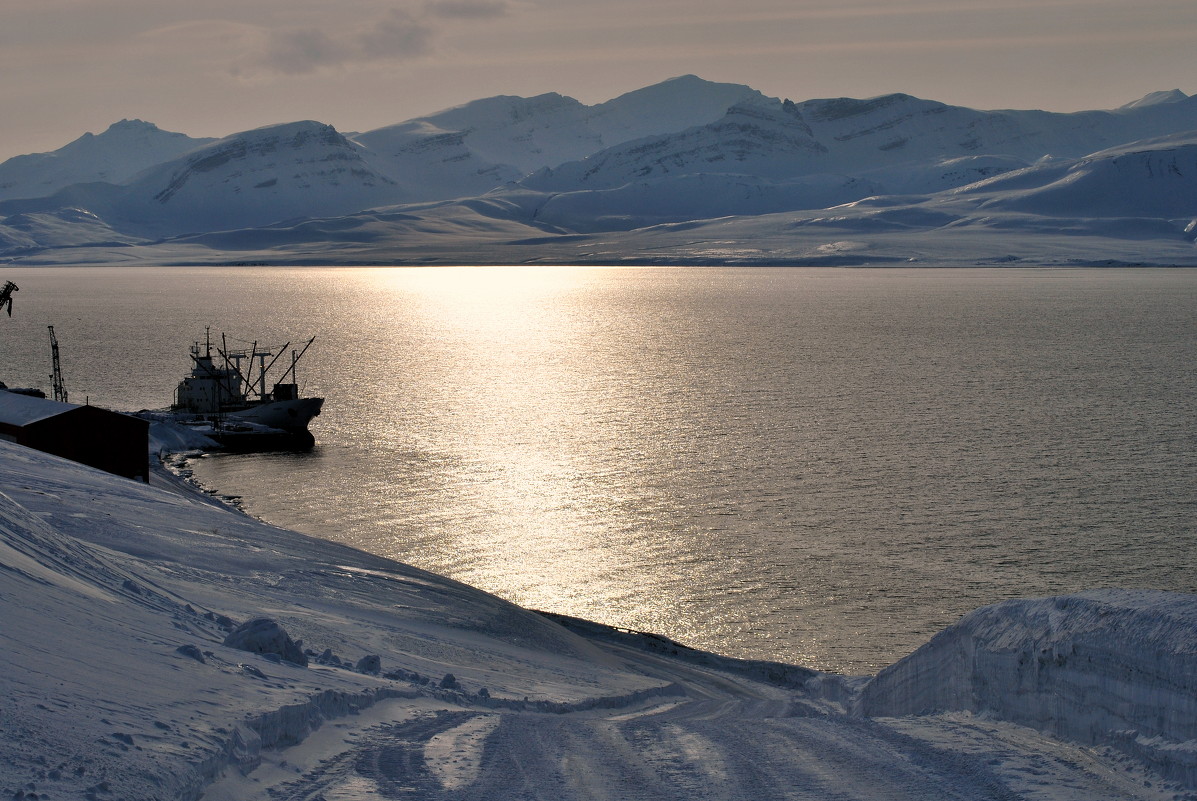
{"x": 821, "y": 466}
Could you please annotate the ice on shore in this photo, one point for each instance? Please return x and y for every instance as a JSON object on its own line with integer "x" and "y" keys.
{"x": 119, "y": 679}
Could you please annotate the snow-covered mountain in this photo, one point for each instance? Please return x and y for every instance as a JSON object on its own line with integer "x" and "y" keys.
{"x": 895, "y": 139}
{"x": 766, "y": 156}
{"x": 755, "y": 137}
{"x": 526, "y": 134}
{"x": 114, "y": 156}
{"x": 301, "y": 169}
{"x": 1153, "y": 178}
{"x": 548, "y": 168}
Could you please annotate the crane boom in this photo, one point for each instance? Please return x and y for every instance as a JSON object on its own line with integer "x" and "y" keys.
{"x": 6, "y": 295}
{"x": 60, "y": 393}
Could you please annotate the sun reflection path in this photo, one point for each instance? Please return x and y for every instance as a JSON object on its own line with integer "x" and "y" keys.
{"x": 544, "y": 506}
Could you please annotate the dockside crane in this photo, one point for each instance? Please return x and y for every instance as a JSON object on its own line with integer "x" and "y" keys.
{"x": 60, "y": 393}
{"x": 6, "y": 296}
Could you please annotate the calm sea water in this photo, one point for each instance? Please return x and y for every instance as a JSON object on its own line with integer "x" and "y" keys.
{"x": 820, "y": 466}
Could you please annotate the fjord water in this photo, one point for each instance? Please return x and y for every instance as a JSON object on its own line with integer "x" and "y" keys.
{"x": 821, "y": 466}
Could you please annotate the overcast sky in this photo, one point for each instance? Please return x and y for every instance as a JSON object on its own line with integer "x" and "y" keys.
{"x": 215, "y": 67}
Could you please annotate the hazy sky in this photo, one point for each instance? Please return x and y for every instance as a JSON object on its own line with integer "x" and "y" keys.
{"x": 216, "y": 67}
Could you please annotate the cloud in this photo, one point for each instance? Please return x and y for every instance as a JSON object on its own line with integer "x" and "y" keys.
{"x": 296, "y": 51}
{"x": 468, "y": 9}
{"x": 398, "y": 35}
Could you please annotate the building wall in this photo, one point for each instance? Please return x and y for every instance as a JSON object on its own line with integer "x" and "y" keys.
{"x": 116, "y": 443}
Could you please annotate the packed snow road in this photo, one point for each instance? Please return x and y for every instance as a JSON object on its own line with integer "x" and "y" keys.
{"x": 726, "y": 736}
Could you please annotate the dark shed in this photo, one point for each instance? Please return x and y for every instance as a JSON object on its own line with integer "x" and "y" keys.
{"x": 111, "y": 441}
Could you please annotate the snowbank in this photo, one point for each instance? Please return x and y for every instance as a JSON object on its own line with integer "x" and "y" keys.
{"x": 167, "y": 437}
{"x": 1111, "y": 667}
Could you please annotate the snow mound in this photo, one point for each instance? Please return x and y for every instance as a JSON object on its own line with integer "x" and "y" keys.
{"x": 167, "y": 436}
{"x": 265, "y": 636}
{"x": 1109, "y": 667}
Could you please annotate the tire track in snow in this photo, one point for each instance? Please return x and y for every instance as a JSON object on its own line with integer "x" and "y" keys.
{"x": 387, "y": 761}
{"x": 729, "y": 738}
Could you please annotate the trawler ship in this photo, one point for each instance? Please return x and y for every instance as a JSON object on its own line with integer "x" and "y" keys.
{"x": 229, "y": 397}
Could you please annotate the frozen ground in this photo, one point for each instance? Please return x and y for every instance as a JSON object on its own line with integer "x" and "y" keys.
{"x": 116, "y": 599}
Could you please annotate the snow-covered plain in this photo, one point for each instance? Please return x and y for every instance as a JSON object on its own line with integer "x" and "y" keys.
{"x": 116, "y": 682}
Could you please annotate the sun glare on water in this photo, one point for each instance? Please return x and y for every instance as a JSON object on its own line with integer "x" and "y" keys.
{"x": 509, "y": 410}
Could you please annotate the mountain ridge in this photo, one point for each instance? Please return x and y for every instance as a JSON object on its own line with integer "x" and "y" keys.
{"x": 684, "y": 150}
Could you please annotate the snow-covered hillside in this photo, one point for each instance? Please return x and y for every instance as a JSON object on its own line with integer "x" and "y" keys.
{"x": 433, "y": 163}
{"x": 303, "y": 169}
{"x": 550, "y": 179}
{"x": 891, "y": 128}
{"x": 1155, "y": 179}
{"x": 155, "y": 645}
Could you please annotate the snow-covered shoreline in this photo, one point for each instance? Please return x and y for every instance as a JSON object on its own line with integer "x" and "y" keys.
{"x": 116, "y": 599}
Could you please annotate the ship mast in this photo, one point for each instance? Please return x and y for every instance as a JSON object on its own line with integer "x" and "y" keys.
{"x": 295, "y": 360}
{"x": 60, "y": 393}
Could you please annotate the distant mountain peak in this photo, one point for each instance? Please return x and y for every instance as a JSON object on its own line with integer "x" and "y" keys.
{"x": 125, "y": 130}
{"x": 842, "y": 108}
{"x": 1158, "y": 99}
{"x": 133, "y": 125}
{"x": 114, "y": 156}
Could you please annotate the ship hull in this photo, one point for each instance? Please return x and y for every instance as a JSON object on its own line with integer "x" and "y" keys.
{"x": 272, "y": 426}
{"x": 288, "y": 415}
